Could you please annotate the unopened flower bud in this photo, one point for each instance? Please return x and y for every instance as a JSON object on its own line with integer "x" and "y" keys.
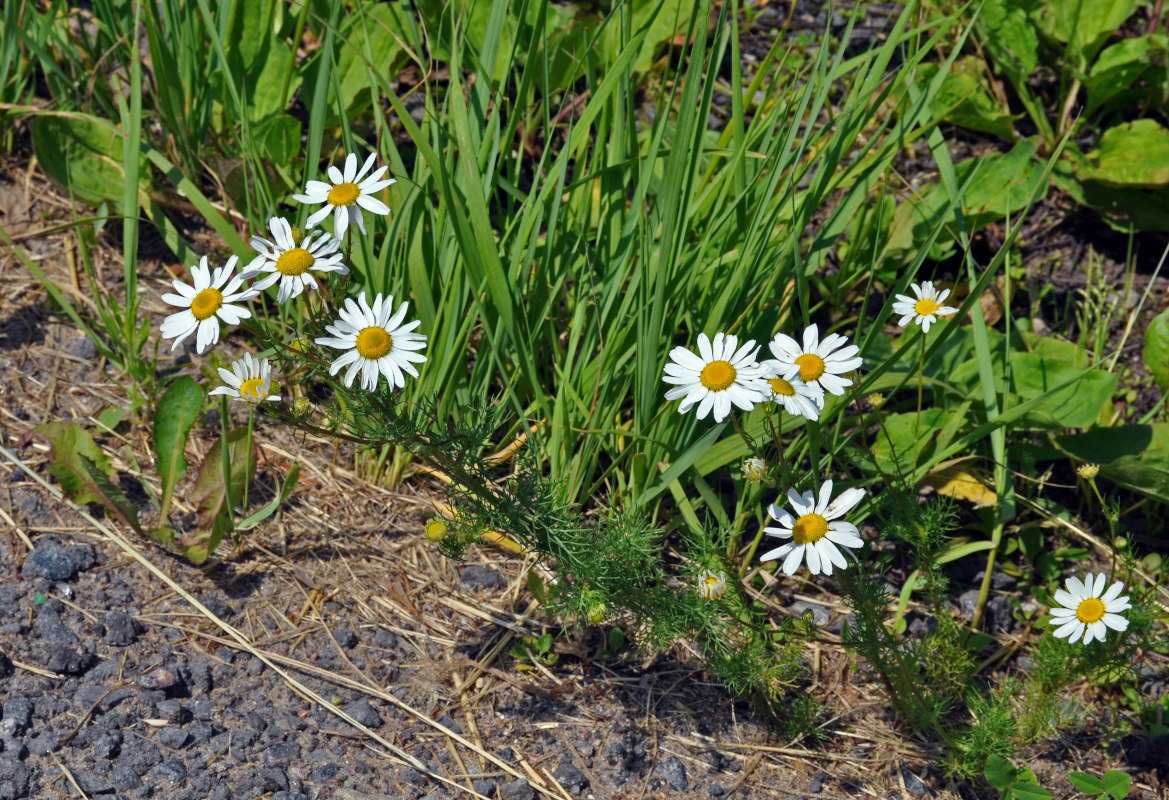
{"x": 876, "y": 399}
{"x": 302, "y": 407}
{"x": 754, "y": 469}
{"x": 1088, "y": 471}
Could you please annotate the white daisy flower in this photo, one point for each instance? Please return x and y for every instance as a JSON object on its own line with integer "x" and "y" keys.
{"x": 720, "y": 376}
{"x": 377, "y": 342}
{"x": 289, "y": 258}
{"x": 815, "y": 529}
{"x": 249, "y": 379}
{"x": 926, "y": 308}
{"x": 797, "y": 398}
{"x": 712, "y": 585}
{"x": 817, "y": 363}
{"x": 205, "y": 303}
{"x": 1087, "y": 610}
{"x": 754, "y": 469}
{"x": 346, "y": 194}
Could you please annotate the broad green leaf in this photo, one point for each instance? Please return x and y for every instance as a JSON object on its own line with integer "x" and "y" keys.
{"x": 198, "y": 546}
{"x": 1122, "y": 65}
{"x": 1029, "y": 791}
{"x": 900, "y": 438}
{"x": 380, "y": 31}
{"x": 1087, "y": 783}
{"x": 1123, "y": 208}
{"x": 257, "y": 59}
{"x": 1135, "y": 154}
{"x": 999, "y": 772}
{"x": 1156, "y": 352}
{"x": 1053, "y": 363}
{"x": 1005, "y": 30}
{"x": 1117, "y": 783}
{"x": 1084, "y": 24}
{"x": 279, "y": 139}
{"x": 1003, "y": 184}
{"x": 84, "y": 153}
{"x": 84, "y": 471}
{"x": 177, "y": 412}
{"x": 964, "y": 100}
{"x": 1133, "y": 456}
{"x": 208, "y": 493}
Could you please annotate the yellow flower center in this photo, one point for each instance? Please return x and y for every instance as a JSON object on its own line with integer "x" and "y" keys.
{"x": 809, "y": 528}
{"x": 344, "y": 194}
{"x": 925, "y": 306}
{"x": 294, "y": 262}
{"x": 373, "y": 343}
{"x": 717, "y": 376}
{"x": 811, "y": 367}
{"x": 780, "y": 386}
{"x": 711, "y": 580}
{"x": 252, "y": 390}
{"x": 436, "y": 529}
{"x": 1090, "y": 610}
{"x": 206, "y": 303}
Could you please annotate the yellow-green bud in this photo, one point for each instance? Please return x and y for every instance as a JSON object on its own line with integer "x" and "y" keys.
{"x": 1088, "y": 471}
{"x": 876, "y": 399}
{"x": 597, "y": 613}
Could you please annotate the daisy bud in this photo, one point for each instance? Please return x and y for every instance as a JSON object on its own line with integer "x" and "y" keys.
{"x": 1088, "y": 471}
{"x": 754, "y": 469}
{"x": 302, "y": 407}
{"x": 597, "y": 612}
{"x": 712, "y": 585}
{"x": 876, "y": 400}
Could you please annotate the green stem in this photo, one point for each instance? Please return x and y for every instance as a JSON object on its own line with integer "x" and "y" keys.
{"x": 225, "y": 455}
{"x": 248, "y": 456}
{"x": 920, "y": 386}
{"x": 743, "y": 435}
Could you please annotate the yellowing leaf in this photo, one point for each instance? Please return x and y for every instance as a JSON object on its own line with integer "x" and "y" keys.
{"x": 961, "y": 485}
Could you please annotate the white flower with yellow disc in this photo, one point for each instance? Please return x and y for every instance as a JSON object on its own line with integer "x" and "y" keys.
{"x": 816, "y": 531}
{"x": 249, "y": 379}
{"x": 346, "y": 194}
{"x": 796, "y": 397}
{"x": 722, "y": 375}
{"x": 925, "y": 308}
{"x": 376, "y": 342}
{"x": 290, "y": 257}
{"x": 817, "y": 363}
{"x": 1086, "y": 609}
{"x": 206, "y": 303}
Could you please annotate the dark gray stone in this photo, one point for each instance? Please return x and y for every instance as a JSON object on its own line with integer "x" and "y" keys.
{"x": 281, "y": 754}
{"x": 57, "y": 562}
{"x": 121, "y": 628}
{"x": 107, "y": 744}
{"x": 51, "y": 627}
{"x": 914, "y": 784}
{"x": 173, "y": 771}
{"x": 364, "y": 713}
{"x": 412, "y": 776}
{"x": 386, "y": 639}
{"x": 173, "y": 737}
{"x": 67, "y": 661}
{"x": 43, "y": 743}
{"x": 716, "y": 790}
{"x": 448, "y": 722}
{"x": 518, "y": 789}
{"x": 13, "y": 747}
{"x": 92, "y": 784}
{"x": 817, "y": 784}
{"x": 6, "y": 667}
{"x": 202, "y": 708}
{"x": 674, "y": 773}
{"x": 125, "y": 777}
{"x": 483, "y": 787}
{"x": 139, "y": 755}
{"x": 84, "y": 348}
{"x": 18, "y": 712}
{"x": 199, "y": 677}
{"x": 171, "y": 710}
{"x": 325, "y": 772}
{"x": 477, "y": 577}
{"x": 570, "y": 775}
{"x": 345, "y": 637}
{"x": 14, "y": 778}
